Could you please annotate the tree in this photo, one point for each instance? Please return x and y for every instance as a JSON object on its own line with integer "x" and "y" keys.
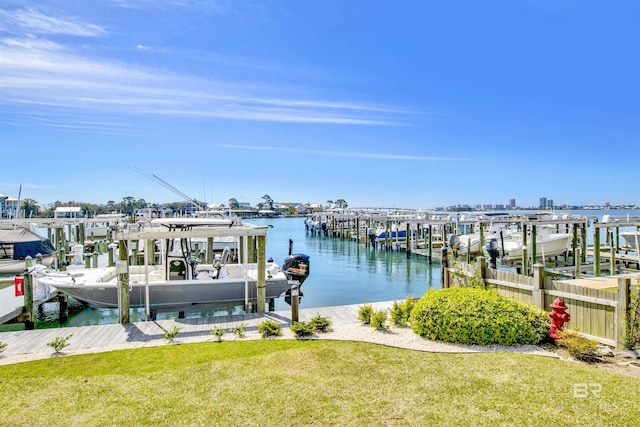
{"x": 30, "y": 208}
{"x": 329, "y": 203}
{"x": 341, "y": 203}
{"x": 233, "y": 203}
{"x": 128, "y": 205}
{"x": 268, "y": 201}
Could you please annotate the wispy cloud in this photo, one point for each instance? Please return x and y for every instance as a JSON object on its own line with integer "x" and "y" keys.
{"x": 44, "y": 75}
{"x": 31, "y": 21}
{"x": 356, "y": 154}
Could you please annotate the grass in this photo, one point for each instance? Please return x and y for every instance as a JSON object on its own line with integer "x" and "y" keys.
{"x": 289, "y": 382}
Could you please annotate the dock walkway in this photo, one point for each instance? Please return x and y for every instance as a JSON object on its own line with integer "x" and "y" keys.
{"x": 11, "y": 305}
{"x": 31, "y": 345}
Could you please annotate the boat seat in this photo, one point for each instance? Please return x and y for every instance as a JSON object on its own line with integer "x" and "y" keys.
{"x": 107, "y": 277}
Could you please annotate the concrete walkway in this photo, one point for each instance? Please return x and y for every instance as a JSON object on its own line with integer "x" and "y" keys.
{"x": 31, "y": 345}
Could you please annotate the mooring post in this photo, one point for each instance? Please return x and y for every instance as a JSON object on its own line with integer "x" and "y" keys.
{"x": 408, "y": 240}
{"x": 444, "y": 277}
{"x": 261, "y": 283}
{"x": 63, "y": 312}
{"x": 122, "y": 269}
{"x": 482, "y": 266}
{"x": 209, "y": 258}
{"x": 574, "y": 243}
{"x": 94, "y": 258}
{"x": 430, "y": 257}
{"x": 583, "y": 243}
{"x": 482, "y": 242}
{"x": 577, "y": 262}
{"x": 28, "y": 295}
{"x": 295, "y": 299}
{"x": 612, "y": 268}
{"x": 534, "y": 244}
{"x": 596, "y": 251}
{"x": 62, "y": 259}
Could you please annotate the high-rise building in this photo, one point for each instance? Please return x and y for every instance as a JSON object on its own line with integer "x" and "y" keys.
{"x": 543, "y": 202}
{"x": 512, "y": 203}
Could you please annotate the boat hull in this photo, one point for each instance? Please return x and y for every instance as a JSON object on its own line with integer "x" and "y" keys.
{"x": 170, "y": 294}
{"x": 11, "y": 266}
{"x": 550, "y": 247}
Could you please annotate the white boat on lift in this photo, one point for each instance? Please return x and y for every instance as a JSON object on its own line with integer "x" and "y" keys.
{"x": 632, "y": 238}
{"x": 18, "y": 243}
{"x": 179, "y": 281}
{"x": 510, "y": 246}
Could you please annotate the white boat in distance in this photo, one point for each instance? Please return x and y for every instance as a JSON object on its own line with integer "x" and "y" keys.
{"x": 179, "y": 281}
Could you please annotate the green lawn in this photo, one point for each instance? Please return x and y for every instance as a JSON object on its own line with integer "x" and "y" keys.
{"x": 296, "y": 383}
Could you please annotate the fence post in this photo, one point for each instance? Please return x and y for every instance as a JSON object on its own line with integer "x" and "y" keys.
{"x": 482, "y": 266}
{"x": 537, "y": 294}
{"x": 444, "y": 279}
{"x": 624, "y": 284}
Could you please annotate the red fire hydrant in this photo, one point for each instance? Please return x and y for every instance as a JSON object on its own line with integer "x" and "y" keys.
{"x": 558, "y": 317}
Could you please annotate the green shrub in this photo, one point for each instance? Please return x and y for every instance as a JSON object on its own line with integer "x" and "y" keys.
{"x": 401, "y": 311}
{"x": 269, "y": 328}
{"x": 3, "y": 346}
{"x": 320, "y": 324}
{"x": 379, "y": 320}
{"x": 364, "y": 313}
{"x": 579, "y": 347}
{"x": 302, "y": 330}
{"x": 59, "y": 343}
{"x": 477, "y": 316}
{"x": 238, "y": 330}
{"x": 217, "y": 332}
{"x": 171, "y": 334}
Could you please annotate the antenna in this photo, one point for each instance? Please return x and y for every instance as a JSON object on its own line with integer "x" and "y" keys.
{"x": 168, "y": 186}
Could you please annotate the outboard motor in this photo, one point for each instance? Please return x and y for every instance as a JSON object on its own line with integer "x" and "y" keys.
{"x": 492, "y": 251}
{"x": 371, "y": 232}
{"x": 295, "y": 267}
{"x": 454, "y": 244}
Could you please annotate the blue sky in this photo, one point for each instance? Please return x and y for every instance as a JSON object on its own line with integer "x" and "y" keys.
{"x": 410, "y": 104}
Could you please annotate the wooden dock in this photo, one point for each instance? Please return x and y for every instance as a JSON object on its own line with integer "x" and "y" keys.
{"x": 89, "y": 339}
{"x": 12, "y": 306}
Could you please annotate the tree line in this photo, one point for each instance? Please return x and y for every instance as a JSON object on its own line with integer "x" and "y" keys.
{"x": 30, "y": 208}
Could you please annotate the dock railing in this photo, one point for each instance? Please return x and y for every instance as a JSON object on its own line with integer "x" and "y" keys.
{"x": 597, "y": 314}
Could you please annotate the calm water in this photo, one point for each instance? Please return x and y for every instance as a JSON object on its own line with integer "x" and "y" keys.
{"x": 342, "y": 272}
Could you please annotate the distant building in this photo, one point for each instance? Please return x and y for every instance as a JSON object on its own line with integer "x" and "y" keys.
{"x": 543, "y": 203}
{"x": 512, "y": 203}
{"x": 8, "y": 207}
{"x": 67, "y": 212}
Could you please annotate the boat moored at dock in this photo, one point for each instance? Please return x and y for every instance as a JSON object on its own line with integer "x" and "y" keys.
{"x": 173, "y": 277}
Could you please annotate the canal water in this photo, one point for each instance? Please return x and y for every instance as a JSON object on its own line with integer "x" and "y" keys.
{"x": 342, "y": 272}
